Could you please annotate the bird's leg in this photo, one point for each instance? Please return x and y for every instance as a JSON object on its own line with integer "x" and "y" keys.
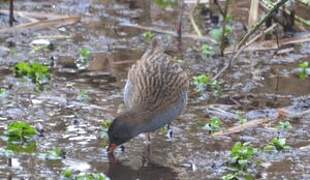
{"x": 11, "y": 17}
{"x": 122, "y": 148}
{"x": 148, "y": 138}
{"x": 146, "y": 155}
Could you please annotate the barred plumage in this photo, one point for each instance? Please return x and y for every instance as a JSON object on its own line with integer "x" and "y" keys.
{"x": 155, "y": 82}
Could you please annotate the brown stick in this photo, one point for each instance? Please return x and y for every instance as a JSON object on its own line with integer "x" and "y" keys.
{"x": 194, "y": 24}
{"x": 222, "y": 46}
{"x": 43, "y": 24}
{"x": 239, "y": 128}
{"x": 256, "y": 122}
{"x": 241, "y": 49}
{"x": 172, "y": 33}
{"x": 249, "y": 33}
{"x": 11, "y": 18}
{"x": 270, "y": 44}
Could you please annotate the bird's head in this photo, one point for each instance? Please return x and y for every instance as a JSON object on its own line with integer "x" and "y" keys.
{"x": 124, "y": 127}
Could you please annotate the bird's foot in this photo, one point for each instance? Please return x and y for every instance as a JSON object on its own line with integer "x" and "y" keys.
{"x": 122, "y": 147}
{"x": 170, "y": 135}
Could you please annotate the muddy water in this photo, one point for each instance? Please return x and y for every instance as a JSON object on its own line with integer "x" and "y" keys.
{"x": 258, "y": 85}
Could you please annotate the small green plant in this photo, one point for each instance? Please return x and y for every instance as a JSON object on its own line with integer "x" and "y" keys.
{"x": 3, "y": 92}
{"x": 202, "y": 79}
{"x": 148, "y": 36}
{"x": 286, "y": 125}
{"x": 216, "y": 87}
{"x": 242, "y": 154}
{"x": 207, "y": 50}
{"x": 83, "y": 96}
{"x": 91, "y": 176}
{"x": 84, "y": 58}
{"x": 214, "y": 125}
{"x": 105, "y": 125}
{"x": 277, "y": 144}
{"x": 38, "y": 73}
{"x": 216, "y": 33}
{"x": 166, "y": 3}
{"x": 54, "y": 154}
{"x": 163, "y": 130}
{"x": 241, "y": 117}
{"x": 230, "y": 176}
{"x": 238, "y": 175}
{"x": 85, "y": 53}
{"x": 21, "y": 147}
{"x": 67, "y": 173}
{"x": 20, "y": 131}
{"x": 202, "y": 82}
{"x": 303, "y": 74}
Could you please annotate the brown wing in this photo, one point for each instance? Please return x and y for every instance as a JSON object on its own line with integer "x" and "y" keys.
{"x": 157, "y": 83}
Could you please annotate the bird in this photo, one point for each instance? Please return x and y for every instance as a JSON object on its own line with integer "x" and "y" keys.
{"x": 155, "y": 94}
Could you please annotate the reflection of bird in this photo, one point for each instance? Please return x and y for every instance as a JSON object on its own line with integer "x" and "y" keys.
{"x": 155, "y": 94}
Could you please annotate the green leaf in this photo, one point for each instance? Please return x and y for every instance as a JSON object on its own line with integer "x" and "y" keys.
{"x": 23, "y": 69}
{"x": 85, "y": 53}
{"x": 92, "y": 176}
{"x": 22, "y": 148}
{"x": 3, "y": 92}
{"x": 277, "y": 144}
{"x": 55, "y": 154}
{"x": 166, "y": 3}
{"x": 216, "y": 33}
{"x": 148, "y": 35}
{"x": 230, "y": 176}
{"x": 242, "y": 153}
{"x": 106, "y": 124}
{"x": 201, "y": 79}
{"x": 20, "y": 130}
{"x": 37, "y": 72}
{"x": 284, "y": 125}
{"x": 67, "y": 173}
{"x": 207, "y": 50}
{"x": 214, "y": 124}
{"x": 304, "y": 64}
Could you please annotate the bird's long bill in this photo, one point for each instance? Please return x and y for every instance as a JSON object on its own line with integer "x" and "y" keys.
{"x": 111, "y": 148}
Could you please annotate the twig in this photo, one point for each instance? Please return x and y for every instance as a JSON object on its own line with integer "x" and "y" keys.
{"x": 241, "y": 49}
{"x": 43, "y": 24}
{"x": 256, "y": 122}
{"x": 172, "y": 33}
{"x": 253, "y": 14}
{"x": 249, "y": 33}
{"x": 300, "y": 20}
{"x": 241, "y": 127}
{"x": 222, "y": 46}
{"x": 219, "y": 7}
{"x": 270, "y": 44}
{"x": 195, "y": 26}
{"x": 179, "y": 25}
{"x": 11, "y": 20}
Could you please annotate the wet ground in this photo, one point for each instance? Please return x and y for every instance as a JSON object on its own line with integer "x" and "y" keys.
{"x": 258, "y": 85}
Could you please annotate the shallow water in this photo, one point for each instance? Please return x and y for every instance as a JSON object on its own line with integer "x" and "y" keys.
{"x": 259, "y": 84}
